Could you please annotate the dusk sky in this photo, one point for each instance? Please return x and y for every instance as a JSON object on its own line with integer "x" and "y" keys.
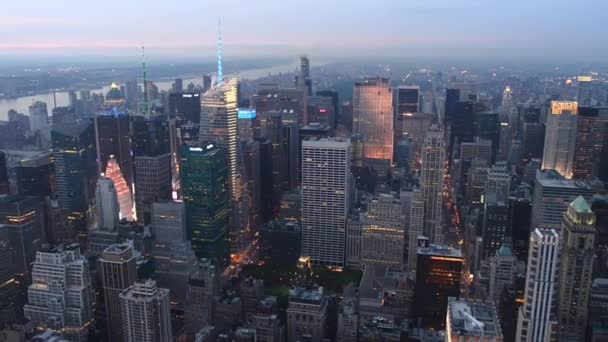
{"x": 534, "y": 29}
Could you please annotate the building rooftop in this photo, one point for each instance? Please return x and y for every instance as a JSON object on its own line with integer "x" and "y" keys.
{"x": 472, "y": 318}
{"x": 552, "y": 179}
{"x": 440, "y": 250}
{"x": 581, "y": 206}
{"x": 307, "y": 295}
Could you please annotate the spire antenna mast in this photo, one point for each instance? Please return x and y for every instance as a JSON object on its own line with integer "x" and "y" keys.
{"x": 220, "y": 71}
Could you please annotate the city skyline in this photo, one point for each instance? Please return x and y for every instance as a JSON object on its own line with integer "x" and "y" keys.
{"x": 471, "y": 29}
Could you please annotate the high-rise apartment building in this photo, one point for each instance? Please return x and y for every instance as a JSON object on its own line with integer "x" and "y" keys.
{"x": 117, "y": 269}
{"x": 106, "y": 204}
{"x": 560, "y": 137}
{"x": 61, "y": 294}
{"x": 552, "y": 195}
{"x": 373, "y": 118}
{"x": 146, "y": 314}
{"x": 576, "y": 269}
{"x": 431, "y": 183}
{"x": 325, "y": 197}
{"x": 537, "y": 317}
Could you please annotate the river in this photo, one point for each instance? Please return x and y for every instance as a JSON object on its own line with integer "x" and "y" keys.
{"x": 21, "y": 104}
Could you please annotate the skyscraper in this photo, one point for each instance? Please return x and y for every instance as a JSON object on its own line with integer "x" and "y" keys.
{"x": 39, "y": 124}
{"x": 560, "y": 137}
{"x": 113, "y": 138}
{"x": 204, "y": 177}
{"x": 61, "y": 293}
{"x": 416, "y": 227}
{"x": 406, "y": 105}
{"x": 576, "y": 268}
{"x": 590, "y": 135}
{"x": 584, "y": 94}
{"x": 146, "y": 314}
{"x": 325, "y": 198}
{"x": 495, "y": 224}
{"x": 106, "y": 204}
{"x": 431, "y": 183}
{"x": 438, "y": 275}
{"x": 75, "y": 169}
{"x": 373, "y": 118}
{"x": 552, "y": 195}
{"x": 169, "y": 221}
{"x": 185, "y": 106}
{"x": 537, "y": 317}
{"x": 117, "y": 269}
{"x": 383, "y": 232}
{"x": 23, "y": 218}
{"x": 123, "y": 192}
{"x": 501, "y": 273}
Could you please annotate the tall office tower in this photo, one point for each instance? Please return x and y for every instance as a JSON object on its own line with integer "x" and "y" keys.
{"x": 416, "y": 227}
{"x": 11, "y": 296}
{"x": 132, "y": 94}
{"x": 478, "y": 148}
{"x": 413, "y": 129}
{"x": 536, "y": 318}
{"x": 495, "y": 224}
{"x": 253, "y": 180}
{"x": 117, "y": 270}
{"x": 438, "y": 276}
{"x": 169, "y": 222}
{"x": 325, "y": 197}
{"x": 373, "y": 118}
{"x": 560, "y": 137}
{"x": 61, "y": 293}
{"x": 499, "y": 181}
{"x": 304, "y": 81}
{"x": 320, "y": 109}
{"x": 590, "y": 135}
{"x": 502, "y": 273}
{"x": 552, "y": 195}
{"x": 23, "y": 218}
{"x": 291, "y": 151}
{"x": 505, "y": 142}
{"x": 4, "y": 181}
{"x": 506, "y": 106}
{"x": 204, "y": 177}
{"x": 185, "y": 106}
{"x": 106, "y": 204}
{"x": 178, "y": 85}
{"x": 75, "y": 169}
{"x": 476, "y": 176}
{"x": 335, "y": 101}
{"x": 219, "y": 118}
{"x": 406, "y": 105}
{"x": 584, "y": 94}
{"x": 452, "y": 95}
{"x": 146, "y": 314}
{"x": 346, "y": 118}
{"x": 576, "y": 269}
{"x": 39, "y": 124}
{"x": 152, "y": 152}
{"x": 532, "y": 140}
{"x": 246, "y": 123}
{"x": 285, "y": 100}
{"x": 207, "y": 82}
{"x": 487, "y": 126}
{"x": 123, "y": 192}
{"x": 35, "y": 175}
{"x": 272, "y": 129}
{"x": 203, "y": 286}
{"x": 354, "y": 230}
{"x": 460, "y": 126}
{"x": 113, "y": 138}
{"x": 306, "y": 314}
{"x": 383, "y": 235}
{"x": 472, "y": 320}
{"x": 431, "y": 183}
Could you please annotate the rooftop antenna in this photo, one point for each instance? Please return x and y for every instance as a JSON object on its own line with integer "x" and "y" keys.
{"x": 220, "y": 71}
{"x": 143, "y": 64}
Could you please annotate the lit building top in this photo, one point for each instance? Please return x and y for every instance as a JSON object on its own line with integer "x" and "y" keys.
{"x": 125, "y": 200}
{"x": 564, "y": 107}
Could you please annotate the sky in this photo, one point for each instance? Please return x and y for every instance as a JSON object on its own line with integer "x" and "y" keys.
{"x": 563, "y": 30}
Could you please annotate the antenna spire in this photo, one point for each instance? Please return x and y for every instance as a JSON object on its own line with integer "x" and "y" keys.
{"x": 143, "y": 64}
{"x": 220, "y": 71}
